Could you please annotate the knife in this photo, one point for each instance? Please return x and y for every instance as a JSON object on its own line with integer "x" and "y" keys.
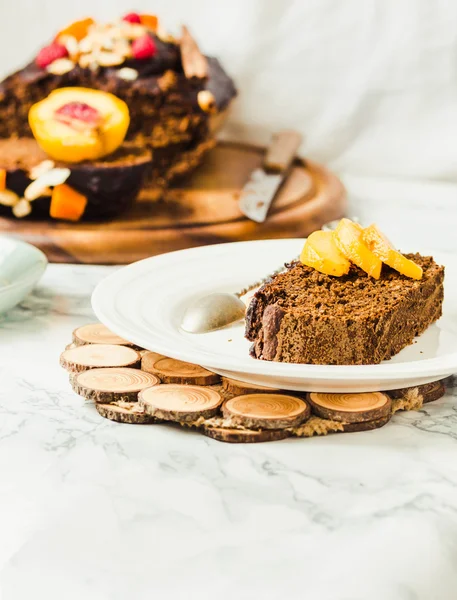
{"x": 259, "y": 192}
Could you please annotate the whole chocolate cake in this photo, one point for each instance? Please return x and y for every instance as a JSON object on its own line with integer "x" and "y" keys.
{"x": 176, "y": 96}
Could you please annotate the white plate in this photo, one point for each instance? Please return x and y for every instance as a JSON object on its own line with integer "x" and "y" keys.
{"x": 145, "y": 301}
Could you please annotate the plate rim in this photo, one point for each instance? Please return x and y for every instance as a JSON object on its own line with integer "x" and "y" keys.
{"x": 436, "y": 366}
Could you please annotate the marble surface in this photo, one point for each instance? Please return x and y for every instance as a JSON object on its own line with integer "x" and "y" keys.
{"x": 102, "y": 511}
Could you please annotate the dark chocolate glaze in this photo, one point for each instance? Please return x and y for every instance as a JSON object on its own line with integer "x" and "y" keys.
{"x": 111, "y": 186}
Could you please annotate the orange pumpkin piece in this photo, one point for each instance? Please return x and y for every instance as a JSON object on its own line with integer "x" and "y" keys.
{"x": 67, "y": 203}
{"x": 2, "y": 180}
{"x": 149, "y": 21}
{"x": 78, "y": 29}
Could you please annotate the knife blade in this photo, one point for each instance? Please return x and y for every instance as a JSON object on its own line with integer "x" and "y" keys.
{"x": 259, "y": 192}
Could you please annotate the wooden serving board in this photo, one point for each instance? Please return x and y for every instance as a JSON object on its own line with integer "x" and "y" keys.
{"x": 202, "y": 210}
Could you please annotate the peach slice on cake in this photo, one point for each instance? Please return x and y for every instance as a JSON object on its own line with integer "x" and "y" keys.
{"x": 321, "y": 253}
{"x": 348, "y": 239}
{"x": 77, "y": 124}
{"x": 383, "y": 249}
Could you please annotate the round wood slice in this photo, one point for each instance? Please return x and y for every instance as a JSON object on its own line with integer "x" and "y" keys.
{"x": 239, "y": 388}
{"x": 351, "y": 408}
{"x": 97, "y": 333}
{"x": 148, "y": 359}
{"x": 181, "y": 403}
{"x": 266, "y": 411}
{"x": 125, "y": 412}
{"x": 429, "y": 392}
{"x": 93, "y": 356}
{"x": 245, "y": 436}
{"x": 366, "y": 425}
{"x": 112, "y": 384}
{"x": 170, "y": 370}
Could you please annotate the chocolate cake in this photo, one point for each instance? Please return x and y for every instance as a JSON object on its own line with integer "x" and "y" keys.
{"x": 304, "y": 316}
{"x": 174, "y": 94}
{"x": 110, "y": 184}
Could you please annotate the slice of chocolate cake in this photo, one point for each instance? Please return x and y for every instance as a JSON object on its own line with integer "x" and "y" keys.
{"x": 304, "y": 316}
{"x": 174, "y": 94}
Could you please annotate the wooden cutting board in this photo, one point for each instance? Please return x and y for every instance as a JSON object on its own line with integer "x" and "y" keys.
{"x": 202, "y": 210}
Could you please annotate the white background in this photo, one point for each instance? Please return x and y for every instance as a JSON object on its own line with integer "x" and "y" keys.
{"x": 371, "y": 83}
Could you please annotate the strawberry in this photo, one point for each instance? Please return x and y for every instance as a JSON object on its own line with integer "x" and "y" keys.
{"x": 49, "y": 54}
{"x": 132, "y": 18}
{"x": 143, "y": 47}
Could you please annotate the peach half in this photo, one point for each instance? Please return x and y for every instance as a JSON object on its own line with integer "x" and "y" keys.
{"x": 76, "y": 124}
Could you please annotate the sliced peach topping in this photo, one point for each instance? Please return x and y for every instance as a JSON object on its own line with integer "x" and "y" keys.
{"x": 348, "y": 239}
{"x": 383, "y": 249}
{"x": 76, "y": 124}
{"x": 321, "y": 253}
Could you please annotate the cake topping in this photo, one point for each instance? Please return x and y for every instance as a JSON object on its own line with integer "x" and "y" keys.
{"x": 348, "y": 238}
{"x": 67, "y": 203}
{"x": 41, "y": 186}
{"x": 22, "y": 208}
{"x": 78, "y": 29}
{"x": 194, "y": 63}
{"x": 150, "y": 21}
{"x": 381, "y": 247}
{"x": 60, "y": 66}
{"x": 76, "y": 124}
{"x": 41, "y": 168}
{"x": 206, "y": 101}
{"x": 132, "y": 18}
{"x": 127, "y": 74}
{"x": 143, "y": 47}
{"x": 49, "y": 54}
{"x": 321, "y": 253}
{"x": 93, "y": 45}
{"x": 8, "y": 198}
{"x": 331, "y": 253}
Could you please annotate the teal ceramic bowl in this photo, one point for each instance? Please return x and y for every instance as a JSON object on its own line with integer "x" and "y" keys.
{"x": 21, "y": 266}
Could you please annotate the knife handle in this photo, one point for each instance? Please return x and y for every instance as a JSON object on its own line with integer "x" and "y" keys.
{"x": 282, "y": 150}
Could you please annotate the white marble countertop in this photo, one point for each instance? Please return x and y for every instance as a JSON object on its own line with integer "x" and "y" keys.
{"x": 102, "y": 511}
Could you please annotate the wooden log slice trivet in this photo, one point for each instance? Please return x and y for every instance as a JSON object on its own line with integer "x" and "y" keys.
{"x": 429, "y": 392}
{"x": 266, "y": 411}
{"x": 351, "y": 408}
{"x": 239, "y": 388}
{"x": 245, "y": 436}
{"x": 169, "y": 370}
{"x": 112, "y": 384}
{"x": 97, "y": 333}
{"x": 181, "y": 403}
{"x": 125, "y": 412}
{"x": 92, "y": 356}
{"x": 318, "y": 426}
